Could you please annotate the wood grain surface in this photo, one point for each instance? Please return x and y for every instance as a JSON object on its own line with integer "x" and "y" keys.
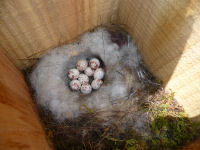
{"x": 29, "y": 27}
{"x": 20, "y": 127}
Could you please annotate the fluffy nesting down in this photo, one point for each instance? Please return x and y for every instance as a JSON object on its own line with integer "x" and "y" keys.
{"x": 50, "y": 82}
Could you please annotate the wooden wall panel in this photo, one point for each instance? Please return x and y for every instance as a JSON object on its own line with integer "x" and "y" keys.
{"x": 20, "y": 127}
{"x": 29, "y": 27}
{"x": 168, "y": 37}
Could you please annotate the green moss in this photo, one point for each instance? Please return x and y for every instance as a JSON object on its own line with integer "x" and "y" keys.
{"x": 171, "y": 132}
{"x": 170, "y": 128}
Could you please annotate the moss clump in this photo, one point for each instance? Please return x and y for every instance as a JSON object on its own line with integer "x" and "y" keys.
{"x": 171, "y": 132}
{"x": 170, "y": 125}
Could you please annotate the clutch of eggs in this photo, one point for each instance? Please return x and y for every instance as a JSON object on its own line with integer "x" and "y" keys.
{"x": 84, "y": 70}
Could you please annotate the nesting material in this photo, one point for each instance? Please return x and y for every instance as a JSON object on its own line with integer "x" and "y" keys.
{"x": 110, "y": 101}
{"x": 51, "y": 84}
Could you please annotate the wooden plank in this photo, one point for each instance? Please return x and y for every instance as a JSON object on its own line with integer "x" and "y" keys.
{"x": 20, "y": 127}
{"x": 29, "y": 27}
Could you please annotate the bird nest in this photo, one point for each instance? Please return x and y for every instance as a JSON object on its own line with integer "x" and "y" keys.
{"x": 130, "y": 111}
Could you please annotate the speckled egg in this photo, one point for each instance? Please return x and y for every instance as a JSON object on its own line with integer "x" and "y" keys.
{"x": 75, "y": 85}
{"x": 73, "y": 74}
{"x": 86, "y": 88}
{"x": 89, "y": 72}
{"x": 96, "y": 84}
{"x": 94, "y": 63}
{"x": 82, "y": 65}
{"x": 83, "y": 78}
{"x": 99, "y": 73}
